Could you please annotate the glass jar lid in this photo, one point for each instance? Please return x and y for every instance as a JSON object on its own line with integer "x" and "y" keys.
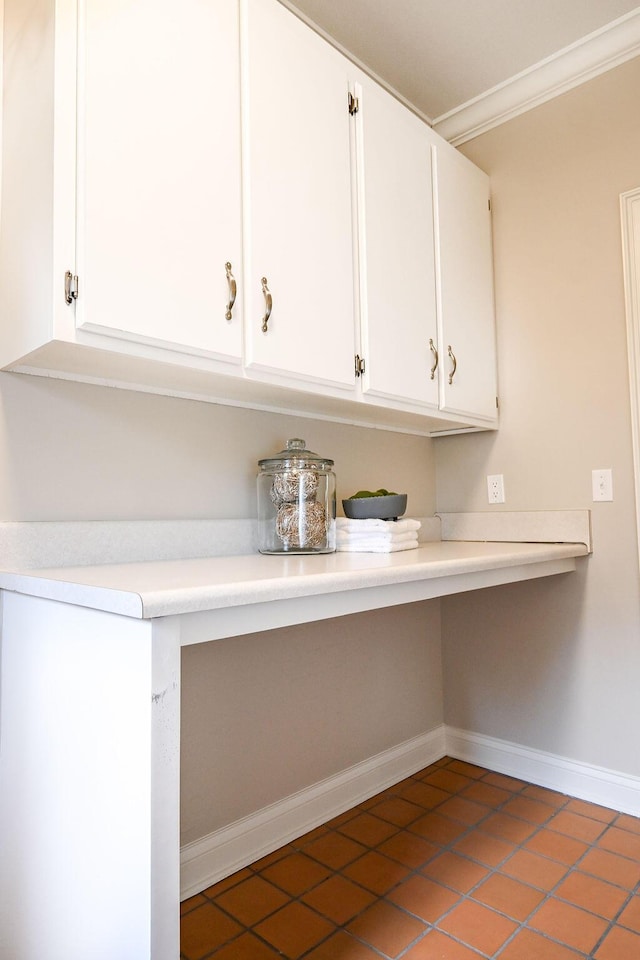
{"x": 295, "y": 456}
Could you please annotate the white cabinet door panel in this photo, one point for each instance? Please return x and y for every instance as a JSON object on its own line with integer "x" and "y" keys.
{"x": 298, "y": 214}
{"x": 159, "y": 207}
{"x": 397, "y": 271}
{"x": 465, "y": 263}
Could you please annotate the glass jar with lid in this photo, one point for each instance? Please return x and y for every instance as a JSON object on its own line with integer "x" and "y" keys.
{"x": 296, "y": 501}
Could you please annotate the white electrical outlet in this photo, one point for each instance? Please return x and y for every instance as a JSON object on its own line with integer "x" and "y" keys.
{"x": 602, "y": 485}
{"x": 495, "y": 488}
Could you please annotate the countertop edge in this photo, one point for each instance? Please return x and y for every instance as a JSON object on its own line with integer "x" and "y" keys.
{"x": 167, "y": 588}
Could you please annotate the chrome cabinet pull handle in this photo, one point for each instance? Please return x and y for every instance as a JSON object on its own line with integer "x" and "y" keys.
{"x": 268, "y": 304}
{"x": 454, "y": 362}
{"x": 432, "y": 347}
{"x": 70, "y": 287}
{"x": 233, "y": 289}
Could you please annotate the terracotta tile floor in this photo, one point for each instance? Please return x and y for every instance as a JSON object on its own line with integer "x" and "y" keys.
{"x": 454, "y": 863}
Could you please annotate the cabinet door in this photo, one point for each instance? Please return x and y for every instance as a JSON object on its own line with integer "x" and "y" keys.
{"x": 465, "y": 266}
{"x": 397, "y": 271}
{"x": 298, "y": 213}
{"x": 159, "y": 175}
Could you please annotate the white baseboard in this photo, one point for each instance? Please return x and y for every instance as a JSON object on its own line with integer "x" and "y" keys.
{"x": 219, "y": 854}
{"x": 582, "y": 780}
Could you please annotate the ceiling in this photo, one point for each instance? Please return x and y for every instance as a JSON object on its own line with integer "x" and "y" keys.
{"x": 441, "y": 54}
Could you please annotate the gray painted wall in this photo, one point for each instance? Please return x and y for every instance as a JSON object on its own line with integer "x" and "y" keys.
{"x": 296, "y": 705}
{"x": 556, "y": 665}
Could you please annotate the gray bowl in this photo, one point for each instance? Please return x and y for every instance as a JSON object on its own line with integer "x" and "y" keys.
{"x": 375, "y": 508}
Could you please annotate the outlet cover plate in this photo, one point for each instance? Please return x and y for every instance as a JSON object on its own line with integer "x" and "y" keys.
{"x": 495, "y": 488}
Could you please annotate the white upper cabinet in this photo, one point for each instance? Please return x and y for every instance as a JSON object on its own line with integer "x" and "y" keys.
{"x": 465, "y": 287}
{"x": 397, "y": 271}
{"x": 191, "y": 206}
{"x": 298, "y": 201}
{"x": 159, "y": 187}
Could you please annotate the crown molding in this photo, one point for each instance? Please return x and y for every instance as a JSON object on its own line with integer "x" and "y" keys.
{"x": 594, "y": 54}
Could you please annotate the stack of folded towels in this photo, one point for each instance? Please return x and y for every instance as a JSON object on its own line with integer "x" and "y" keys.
{"x": 376, "y": 536}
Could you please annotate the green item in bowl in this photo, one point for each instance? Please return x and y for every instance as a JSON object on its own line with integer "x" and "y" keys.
{"x": 361, "y": 494}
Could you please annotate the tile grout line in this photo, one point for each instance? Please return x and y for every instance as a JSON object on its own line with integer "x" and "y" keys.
{"x": 518, "y": 847}
{"x": 368, "y": 847}
{"x": 389, "y": 792}
{"x": 449, "y": 848}
{"x": 549, "y": 894}
{"x": 415, "y": 871}
{"x": 614, "y": 921}
{"x": 524, "y": 924}
{"x": 494, "y": 869}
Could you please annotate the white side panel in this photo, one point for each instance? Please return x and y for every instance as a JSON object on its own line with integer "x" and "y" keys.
{"x": 299, "y": 206}
{"x": 76, "y": 814}
{"x": 397, "y": 271}
{"x": 165, "y": 790}
{"x": 159, "y": 172}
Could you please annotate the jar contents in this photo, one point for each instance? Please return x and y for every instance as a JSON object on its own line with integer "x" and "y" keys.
{"x": 294, "y": 484}
{"x": 296, "y": 502}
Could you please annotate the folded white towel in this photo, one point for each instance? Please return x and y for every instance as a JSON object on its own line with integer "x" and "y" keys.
{"x": 345, "y": 536}
{"x": 373, "y": 546}
{"x": 376, "y": 536}
{"x": 365, "y": 526}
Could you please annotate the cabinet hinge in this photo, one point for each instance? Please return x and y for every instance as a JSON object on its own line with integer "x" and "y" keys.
{"x": 489, "y": 204}
{"x": 354, "y": 104}
{"x": 359, "y": 365}
{"x": 70, "y": 287}
{"x": 497, "y": 404}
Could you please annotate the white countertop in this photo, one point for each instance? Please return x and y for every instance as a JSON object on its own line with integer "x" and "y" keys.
{"x": 151, "y": 589}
